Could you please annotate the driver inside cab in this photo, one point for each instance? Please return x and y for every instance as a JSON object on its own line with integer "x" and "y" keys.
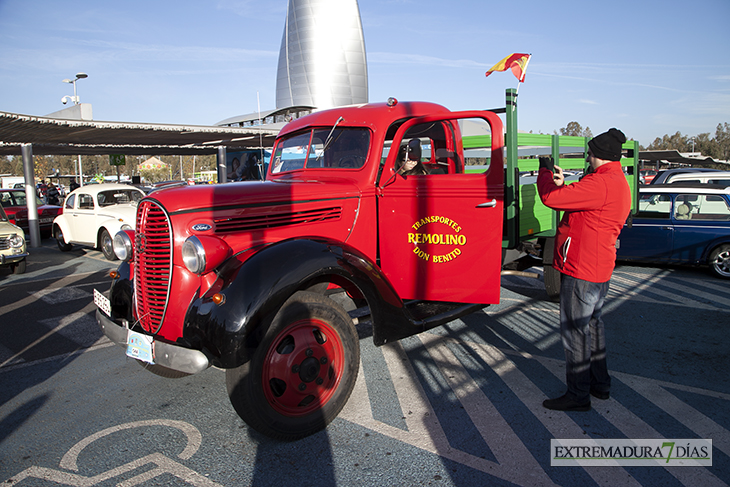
{"x": 409, "y": 160}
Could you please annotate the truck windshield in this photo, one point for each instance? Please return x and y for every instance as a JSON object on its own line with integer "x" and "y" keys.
{"x": 347, "y": 148}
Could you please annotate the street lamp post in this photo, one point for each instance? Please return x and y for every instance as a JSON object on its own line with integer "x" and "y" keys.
{"x": 75, "y": 98}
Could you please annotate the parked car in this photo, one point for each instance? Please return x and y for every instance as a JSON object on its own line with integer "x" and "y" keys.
{"x": 666, "y": 175}
{"x": 12, "y": 245}
{"x": 682, "y": 224}
{"x": 93, "y": 214}
{"x": 16, "y": 208}
{"x": 646, "y": 176}
{"x": 706, "y": 177}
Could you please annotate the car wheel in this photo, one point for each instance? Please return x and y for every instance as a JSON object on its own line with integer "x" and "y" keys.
{"x": 107, "y": 245}
{"x": 65, "y": 247}
{"x": 19, "y": 268}
{"x": 720, "y": 261}
{"x": 302, "y": 373}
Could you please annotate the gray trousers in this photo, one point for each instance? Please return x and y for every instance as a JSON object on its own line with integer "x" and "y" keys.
{"x": 584, "y": 338}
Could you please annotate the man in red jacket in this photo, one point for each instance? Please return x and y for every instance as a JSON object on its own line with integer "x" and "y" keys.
{"x": 596, "y": 208}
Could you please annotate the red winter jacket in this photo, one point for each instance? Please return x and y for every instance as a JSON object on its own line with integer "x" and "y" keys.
{"x": 596, "y": 208}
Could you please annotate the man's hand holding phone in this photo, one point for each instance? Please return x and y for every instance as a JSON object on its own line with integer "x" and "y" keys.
{"x": 549, "y": 164}
{"x": 558, "y": 177}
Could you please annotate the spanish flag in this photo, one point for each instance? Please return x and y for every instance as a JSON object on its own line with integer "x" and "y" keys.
{"x": 516, "y": 62}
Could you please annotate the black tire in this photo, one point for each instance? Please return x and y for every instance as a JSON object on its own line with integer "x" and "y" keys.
{"x": 320, "y": 288}
{"x": 19, "y": 268}
{"x": 302, "y": 373}
{"x": 162, "y": 371}
{"x": 552, "y": 281}
{"x": 720, "y": 261}
{"x": 106, "y": 245}
{"x": 58, "y": 234}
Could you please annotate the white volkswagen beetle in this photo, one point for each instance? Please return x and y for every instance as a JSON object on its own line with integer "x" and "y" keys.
{"x": 93, "y": 214}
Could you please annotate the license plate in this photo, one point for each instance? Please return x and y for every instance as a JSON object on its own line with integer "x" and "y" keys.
{"x": 141, "y": 347}
{"x": 46, "y": 220}
{"x": 103, "y": 303}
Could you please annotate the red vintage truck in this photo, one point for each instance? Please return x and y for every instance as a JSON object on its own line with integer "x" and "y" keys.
{"x": 238, "y": 276}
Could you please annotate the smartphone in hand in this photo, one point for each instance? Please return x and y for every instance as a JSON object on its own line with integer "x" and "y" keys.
{"x": 547, "y": 162}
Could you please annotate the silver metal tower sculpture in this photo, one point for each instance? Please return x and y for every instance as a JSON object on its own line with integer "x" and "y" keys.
{"x": 322, "y": 61}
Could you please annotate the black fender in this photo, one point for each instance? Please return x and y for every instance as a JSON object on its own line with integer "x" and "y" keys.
{"x": 120, "y": 294}
{"x": 255, "y": 289}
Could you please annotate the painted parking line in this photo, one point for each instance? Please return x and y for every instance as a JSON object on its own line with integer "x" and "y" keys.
{"x": 657, "y": 290}
{"x": 632, "y": 426}
{"x": 513, "y": 460}
{"x": 60, "y": 324}
{"x": 514, "y": 463}
{"x": 21, "y": 364}
{"x": 53, "y": 286}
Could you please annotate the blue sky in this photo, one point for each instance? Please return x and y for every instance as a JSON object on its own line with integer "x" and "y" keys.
{"x": 647, "y": 67}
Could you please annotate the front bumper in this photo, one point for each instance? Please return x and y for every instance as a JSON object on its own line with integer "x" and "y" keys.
{"x": 167, "y": 355}
{"x": 12, "y": 259}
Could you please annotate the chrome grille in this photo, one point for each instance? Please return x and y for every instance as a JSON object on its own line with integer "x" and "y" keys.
{"x": 4, "y": 243}
{"x": 153, "y": 265}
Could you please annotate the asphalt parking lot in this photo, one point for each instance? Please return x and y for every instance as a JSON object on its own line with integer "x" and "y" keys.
{"x": 457, "y": 406}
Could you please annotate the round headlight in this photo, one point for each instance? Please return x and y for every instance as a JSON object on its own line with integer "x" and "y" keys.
{"x": 126, "y": 226}
{"x": 16, "y": 241}
{"x": 193, "y": 255}
{"x": 122, "y": 245}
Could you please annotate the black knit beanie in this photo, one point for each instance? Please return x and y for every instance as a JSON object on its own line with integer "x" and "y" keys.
{"x": 607, "y": 146}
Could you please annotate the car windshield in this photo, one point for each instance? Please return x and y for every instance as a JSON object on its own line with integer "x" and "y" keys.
{"x": 15, "y": 198}
{"x": 325, "y": 148}
{"x": 118, "y": 197}
{"x": 3, "y": 216}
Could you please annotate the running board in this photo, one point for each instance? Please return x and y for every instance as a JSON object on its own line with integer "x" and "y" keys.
{"x": 531, "y": 275}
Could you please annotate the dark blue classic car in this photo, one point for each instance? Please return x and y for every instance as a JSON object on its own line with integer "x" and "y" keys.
{"x": 688, "y": 224}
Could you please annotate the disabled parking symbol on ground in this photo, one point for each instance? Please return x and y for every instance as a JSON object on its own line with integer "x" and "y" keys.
{"x": 163, "y": 465}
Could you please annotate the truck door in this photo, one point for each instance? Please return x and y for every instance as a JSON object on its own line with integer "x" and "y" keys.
{"x": 440, "y": 233}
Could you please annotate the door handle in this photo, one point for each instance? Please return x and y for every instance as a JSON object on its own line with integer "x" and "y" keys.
{"x": 488, "y": 204}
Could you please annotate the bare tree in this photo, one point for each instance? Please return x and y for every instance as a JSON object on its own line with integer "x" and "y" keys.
{"x": 575, "y": 129}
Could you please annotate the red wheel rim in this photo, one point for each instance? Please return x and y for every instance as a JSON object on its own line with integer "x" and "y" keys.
{"x": 303, "y": 368}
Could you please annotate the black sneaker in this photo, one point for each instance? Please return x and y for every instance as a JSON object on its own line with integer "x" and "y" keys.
{"x": 564, "y": 403}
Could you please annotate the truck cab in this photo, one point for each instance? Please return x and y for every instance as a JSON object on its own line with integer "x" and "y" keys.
{"x": 424, "y": 231}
